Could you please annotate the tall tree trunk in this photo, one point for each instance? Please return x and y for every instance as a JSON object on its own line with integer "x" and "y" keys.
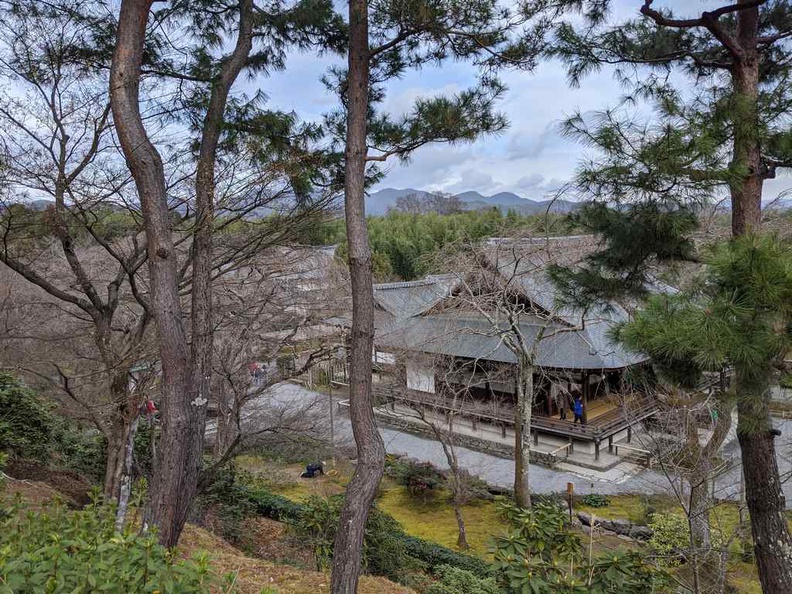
{"x": 113, "y": 460}
{"x": 205, "y": 186}
{"x": 462, "y": 542}
{"x": 362, "y": 489}
{"x": 747, "y": 167}
{"x": 186, "y": 370}
{"x": 699, "y": 509}
{"x": 522, "y": 433}
{"x": 173, "y": 485}
{"x": 116, "y": 432}
{"x": 227, "y": 422}
{"x": 457, "y": 480}
{"x": 764, "y": 497}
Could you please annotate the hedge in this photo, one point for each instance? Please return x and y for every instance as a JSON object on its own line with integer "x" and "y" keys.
{"x": 434, "y": 555}
{"x": 275, "y": 507}
{"x": 281, "y": 509}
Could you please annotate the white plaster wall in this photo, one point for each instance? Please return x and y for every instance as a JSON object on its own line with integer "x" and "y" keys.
{"x": 420, "y": 377}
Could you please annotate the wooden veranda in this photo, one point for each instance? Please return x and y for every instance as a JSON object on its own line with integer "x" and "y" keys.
{"x": 607, "y": 418}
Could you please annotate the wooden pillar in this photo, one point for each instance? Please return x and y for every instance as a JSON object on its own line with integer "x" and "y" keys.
{"x": 503, "y": 431}
{"x": 585, "y": 383}
{"x": 571, "y": 445}
{"x": 629, "y": 433}
{"x": 536, "y": 438}
{"x": 610, "y": 444}
{"x": 596, "y": 449}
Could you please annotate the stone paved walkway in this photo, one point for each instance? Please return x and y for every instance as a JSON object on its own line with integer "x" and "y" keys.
{"x": 624, "y": 478}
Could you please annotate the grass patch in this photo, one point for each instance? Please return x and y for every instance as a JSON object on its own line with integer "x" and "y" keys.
{"x": 434, "y": 520}
{"x": 634, "y": 508}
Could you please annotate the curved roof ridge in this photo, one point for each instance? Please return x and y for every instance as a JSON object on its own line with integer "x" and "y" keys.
{"x": 406, "y": 284}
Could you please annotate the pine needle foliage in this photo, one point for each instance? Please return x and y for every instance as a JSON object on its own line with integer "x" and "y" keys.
{"x": 738, "y": 315}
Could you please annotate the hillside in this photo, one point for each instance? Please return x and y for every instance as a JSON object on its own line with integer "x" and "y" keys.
{"x": 250, "y": 575}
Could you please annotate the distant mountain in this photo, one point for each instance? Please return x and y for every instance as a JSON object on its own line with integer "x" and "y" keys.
{"x": 377, "y": 203}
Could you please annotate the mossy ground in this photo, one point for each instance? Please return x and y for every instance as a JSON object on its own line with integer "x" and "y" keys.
{"x": 433, "y": 518}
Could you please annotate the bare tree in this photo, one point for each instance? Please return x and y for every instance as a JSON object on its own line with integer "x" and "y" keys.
{"x": 444, "y": 204}
{"x": 273, "y": 306}
{"x": 492, "y": 287}
{"x": 439, "y": 414}
{"x": 411, "y": 204}
{"x": 686, "y": 438}
{"x": 57, "y": 149}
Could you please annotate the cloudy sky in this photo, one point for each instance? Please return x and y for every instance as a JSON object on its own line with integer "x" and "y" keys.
{"x": 530, "y": 158}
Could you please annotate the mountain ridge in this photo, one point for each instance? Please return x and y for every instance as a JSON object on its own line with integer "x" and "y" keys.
{"x": 378, "y": 203}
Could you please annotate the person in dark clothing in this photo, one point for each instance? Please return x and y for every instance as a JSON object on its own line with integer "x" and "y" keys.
{"x": 313, "y": 469}
{"x": 577, "y": 408}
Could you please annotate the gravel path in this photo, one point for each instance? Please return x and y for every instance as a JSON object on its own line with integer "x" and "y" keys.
{"x": 624, "y": 478}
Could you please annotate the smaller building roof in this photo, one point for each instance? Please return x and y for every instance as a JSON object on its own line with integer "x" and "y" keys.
{"x": 408, "y": 299}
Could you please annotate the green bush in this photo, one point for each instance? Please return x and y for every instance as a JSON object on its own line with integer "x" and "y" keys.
{"x": 452, "y": 580}
{"x": 27, "y": 425}
{"x": 541, "y": 555}
{"x": 229, "y": 502}
{"x": 57, "y": 550}
{"x": 434, "y": 555}
{"x": 595, "y": 500}
{"x": 82, "y": 451}
{"x": 670, "y": 536}
{"x": 420, "y": 478}
{"x": 274, "y": 506}
{"x": 243, "y": 500}
{"x": 384, "y": 551}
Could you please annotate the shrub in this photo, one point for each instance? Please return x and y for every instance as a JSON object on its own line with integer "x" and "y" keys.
{"x": 27, "y": 425}
{"x": 434, "y": 555}
{"x": 452, "y": 580}
{"x": 82, "y": 451}
{"x": 384, "y": 551}
{"x": 542, "y": 555}
{"x": 227, "y": 501}
{"x": 384, "y": 538}
{"x": 274, "y": 506}
{"x": 56, "y": 550}
{"x": 420, "y": 478}
{"x": 595, "y": 500}
{"x": 670, "y": 536}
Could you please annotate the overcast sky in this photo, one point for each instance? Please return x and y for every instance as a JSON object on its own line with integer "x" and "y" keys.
{"x": 530, "y": 158}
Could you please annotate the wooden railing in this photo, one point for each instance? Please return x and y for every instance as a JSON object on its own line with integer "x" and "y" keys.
{"x": 636, "y": 408}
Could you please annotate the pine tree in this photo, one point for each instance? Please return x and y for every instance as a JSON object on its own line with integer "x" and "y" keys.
{"x": 386, "y": 39}
{"x": 721, "y": 132}
{"x": 259, "y": 37}
{"x": 738, "y": 316}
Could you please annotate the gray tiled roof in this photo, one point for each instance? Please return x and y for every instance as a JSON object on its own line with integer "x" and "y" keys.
{"x": 407, "y": 299}
{"x": 408, "y": 320}
{"x": 474, "y": 337}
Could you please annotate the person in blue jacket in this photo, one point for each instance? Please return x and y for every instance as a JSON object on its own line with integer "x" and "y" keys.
{"x": 577, "y": 408}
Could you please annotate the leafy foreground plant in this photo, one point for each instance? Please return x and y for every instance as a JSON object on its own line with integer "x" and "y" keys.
{"x": 540, "y": 555}
{"x": 59, "y": 550}
{"x": 384, "y": 549}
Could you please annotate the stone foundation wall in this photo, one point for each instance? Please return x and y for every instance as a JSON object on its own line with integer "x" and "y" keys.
{"x": 475, "y": 443}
